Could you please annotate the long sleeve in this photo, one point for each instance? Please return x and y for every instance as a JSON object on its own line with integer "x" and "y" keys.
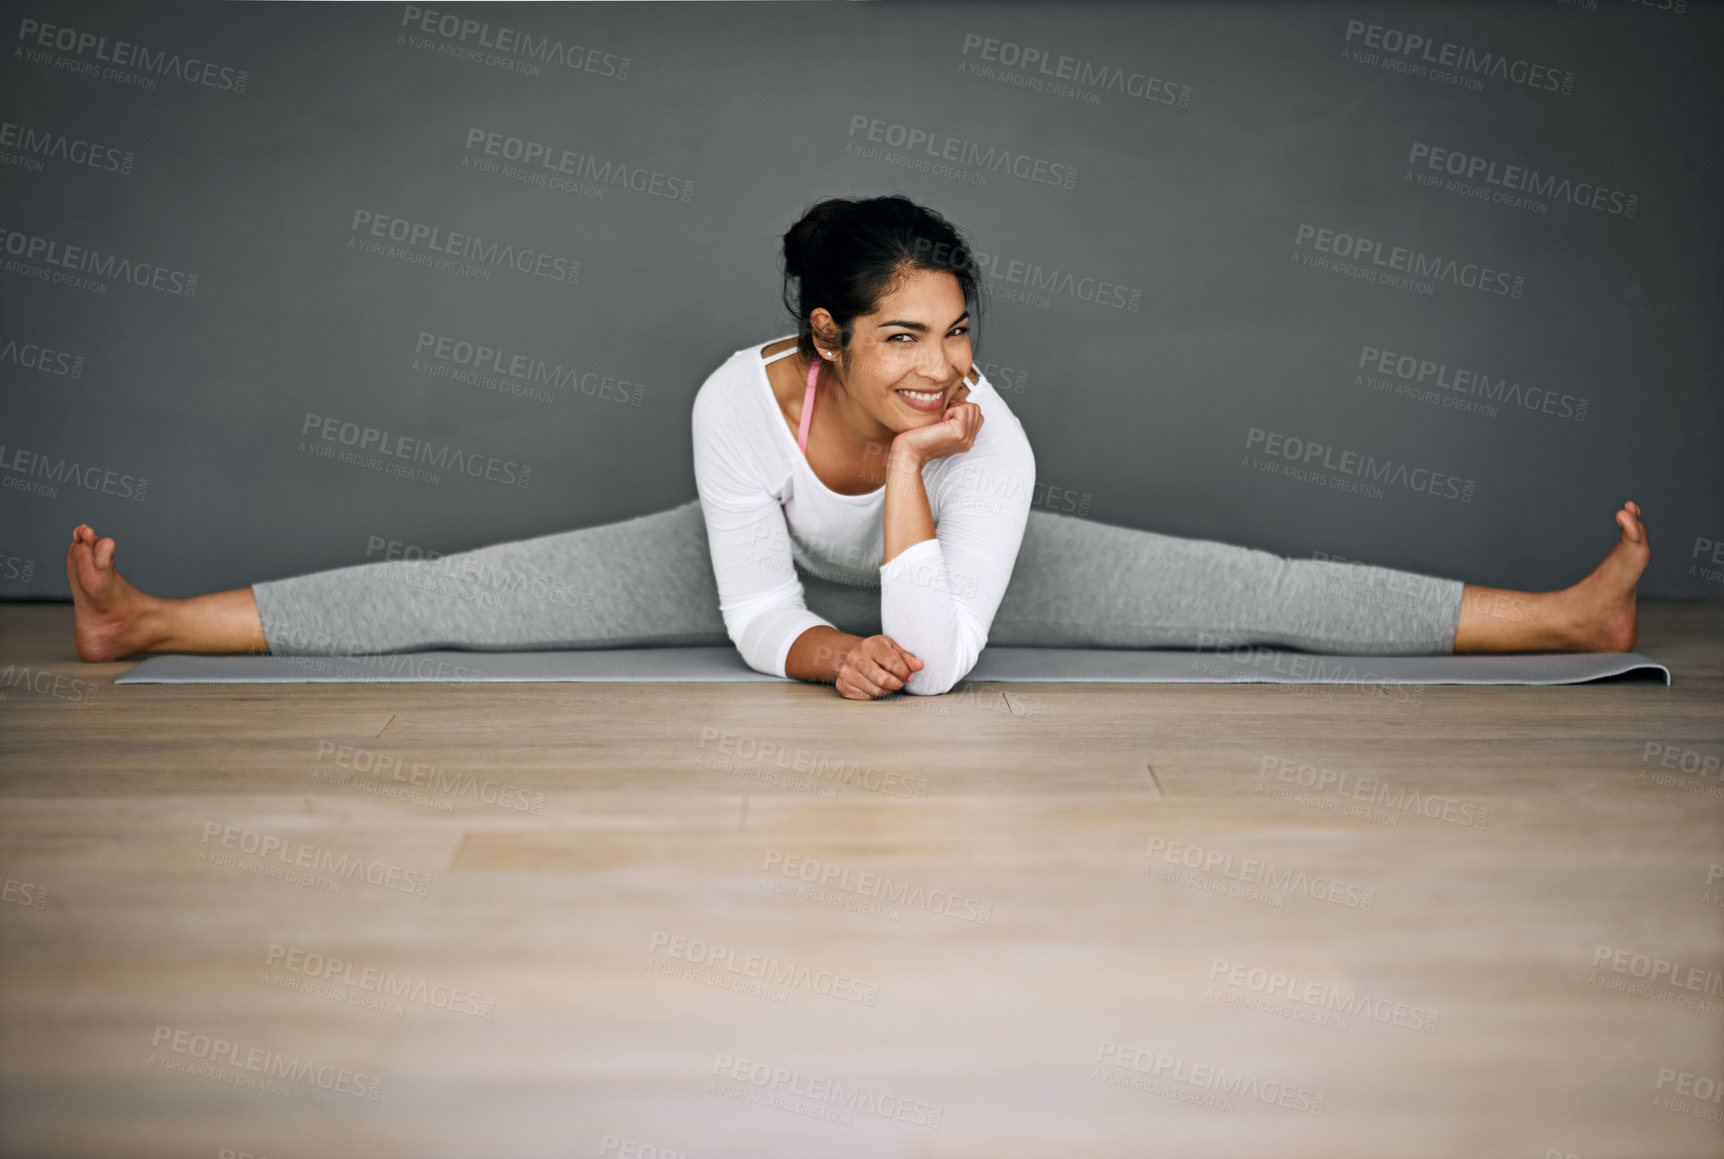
{"x": 938, "y": 598}
{"x": 760, "y": 596}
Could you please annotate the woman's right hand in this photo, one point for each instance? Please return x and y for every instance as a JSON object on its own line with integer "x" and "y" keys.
{"x": 875, "y": 666}
{"x": 952, "y": 433}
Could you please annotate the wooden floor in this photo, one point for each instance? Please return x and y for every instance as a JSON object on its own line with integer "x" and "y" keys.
{"x": 564, "y": 920}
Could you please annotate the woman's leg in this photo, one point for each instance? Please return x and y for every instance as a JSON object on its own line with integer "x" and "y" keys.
{"x": 645, "y": 581}
{"x": 1080, "y": 583}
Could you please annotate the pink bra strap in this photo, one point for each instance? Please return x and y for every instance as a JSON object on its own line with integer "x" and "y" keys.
{"x": 807, "y": 410}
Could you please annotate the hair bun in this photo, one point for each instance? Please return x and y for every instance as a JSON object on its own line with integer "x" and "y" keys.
{"x": 800, "y": 238}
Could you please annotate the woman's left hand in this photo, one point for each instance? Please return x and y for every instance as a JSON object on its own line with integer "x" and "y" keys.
{"x": 954, "y": 432}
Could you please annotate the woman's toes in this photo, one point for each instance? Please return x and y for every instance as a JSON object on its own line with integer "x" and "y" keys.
{"x": 1628, "y": 518}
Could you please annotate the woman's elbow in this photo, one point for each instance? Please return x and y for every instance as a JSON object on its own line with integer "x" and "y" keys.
{"x": 936, "y": 680}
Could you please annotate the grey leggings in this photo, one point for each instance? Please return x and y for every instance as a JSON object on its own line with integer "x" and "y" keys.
{"x": 648, "y": 581}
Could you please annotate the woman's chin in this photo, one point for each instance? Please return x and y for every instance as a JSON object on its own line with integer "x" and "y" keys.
{"x": 901, "y": 419}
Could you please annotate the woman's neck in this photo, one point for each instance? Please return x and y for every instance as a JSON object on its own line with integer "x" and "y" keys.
{"x": 857, "y": 428}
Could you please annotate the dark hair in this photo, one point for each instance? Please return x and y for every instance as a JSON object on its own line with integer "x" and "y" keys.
{"x": 846, "y": 255}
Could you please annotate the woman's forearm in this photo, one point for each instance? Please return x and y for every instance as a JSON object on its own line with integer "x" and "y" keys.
{"x": 907, "y": 517}
{"x": 818, "y": 653}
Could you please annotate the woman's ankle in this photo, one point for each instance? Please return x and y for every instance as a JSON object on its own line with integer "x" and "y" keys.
{"x": 150, "y": 627}
{"x": 1501, "y": 620}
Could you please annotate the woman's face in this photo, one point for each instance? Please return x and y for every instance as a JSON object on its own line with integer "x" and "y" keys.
{"x": 917, "y": 341}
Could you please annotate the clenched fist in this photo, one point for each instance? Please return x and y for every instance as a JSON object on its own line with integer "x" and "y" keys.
{"x": 874, "y": 667}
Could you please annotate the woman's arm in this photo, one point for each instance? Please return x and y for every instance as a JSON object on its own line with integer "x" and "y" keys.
{"x": 941, "y": 585}
{"x": 760, "y": 595}
{"x": 907, "y": 517}
{"x": 818, "y": 654}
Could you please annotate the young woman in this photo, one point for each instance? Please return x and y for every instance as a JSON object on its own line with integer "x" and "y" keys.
{"x": 864, "y": 521}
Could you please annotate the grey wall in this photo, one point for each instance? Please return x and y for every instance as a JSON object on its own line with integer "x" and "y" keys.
{"x": 183, "y": 282}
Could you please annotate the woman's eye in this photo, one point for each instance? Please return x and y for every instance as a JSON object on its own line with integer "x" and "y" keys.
{"x": 955, "y": 333}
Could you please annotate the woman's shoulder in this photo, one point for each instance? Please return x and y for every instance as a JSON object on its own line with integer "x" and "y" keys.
{"x": 732, "y": 413}
{"x": 731, "y": 380}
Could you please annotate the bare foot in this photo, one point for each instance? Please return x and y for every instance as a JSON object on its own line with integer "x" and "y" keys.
{"x": 111, "y": 614}
{"x": 1600, "y": 608}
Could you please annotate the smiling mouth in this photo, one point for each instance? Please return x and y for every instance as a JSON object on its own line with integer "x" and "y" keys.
{"x": 923, "y": 395}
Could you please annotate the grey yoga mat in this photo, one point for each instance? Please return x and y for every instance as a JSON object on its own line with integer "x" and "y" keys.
{"x": 1012, "y": 665}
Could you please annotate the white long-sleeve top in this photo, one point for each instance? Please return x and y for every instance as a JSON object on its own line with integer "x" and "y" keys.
{"x": 767, "y": 513}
